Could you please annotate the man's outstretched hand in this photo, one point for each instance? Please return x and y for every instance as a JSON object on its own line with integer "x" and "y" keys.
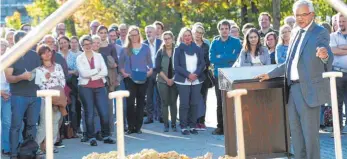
{"x": 263, "y": 77}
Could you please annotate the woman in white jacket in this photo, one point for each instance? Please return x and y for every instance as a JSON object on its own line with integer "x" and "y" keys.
{"x": 92, "y": 72}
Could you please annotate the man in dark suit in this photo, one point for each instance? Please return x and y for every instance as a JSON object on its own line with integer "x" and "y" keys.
{"x": 153, "y": 106}
{"x": 309, "y": 55}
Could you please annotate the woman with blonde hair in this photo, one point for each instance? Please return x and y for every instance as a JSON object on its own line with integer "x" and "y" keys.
{"x": 283, "y": 42}
{"x": 189, "y": 64}
{"x": 135, "y": 66}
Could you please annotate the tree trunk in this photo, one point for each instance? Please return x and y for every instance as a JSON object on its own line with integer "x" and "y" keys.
{"x": 276, "y": 14}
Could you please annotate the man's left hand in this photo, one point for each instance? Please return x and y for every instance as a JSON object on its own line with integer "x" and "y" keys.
{"x": 322, "y": 53}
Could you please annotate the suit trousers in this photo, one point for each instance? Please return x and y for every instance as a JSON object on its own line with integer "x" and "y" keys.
{"x": 304, "y": 125}
{"x": 341, "y": 88}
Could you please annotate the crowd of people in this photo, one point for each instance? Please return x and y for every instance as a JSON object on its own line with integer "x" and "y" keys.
{"x": 155, "y": 71}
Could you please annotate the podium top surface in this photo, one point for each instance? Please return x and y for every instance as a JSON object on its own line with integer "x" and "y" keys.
{"x": 235, "y": 75}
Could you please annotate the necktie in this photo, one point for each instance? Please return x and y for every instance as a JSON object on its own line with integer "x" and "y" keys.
{"x": 292, "y": 55}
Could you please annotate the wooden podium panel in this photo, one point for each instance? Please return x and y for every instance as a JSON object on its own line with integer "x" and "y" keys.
{"x": 265, "y": 120}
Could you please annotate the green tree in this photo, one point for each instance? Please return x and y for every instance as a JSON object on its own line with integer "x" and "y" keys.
{"x": 14, "y": 21}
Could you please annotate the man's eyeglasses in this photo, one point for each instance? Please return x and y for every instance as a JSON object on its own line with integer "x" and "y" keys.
{"x": 87, "y": 44}
{"x": 303, "y": 14}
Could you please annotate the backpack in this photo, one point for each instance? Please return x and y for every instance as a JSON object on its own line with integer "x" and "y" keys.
{"x": 328, "y": 116}
{"x": 28, "y": 149}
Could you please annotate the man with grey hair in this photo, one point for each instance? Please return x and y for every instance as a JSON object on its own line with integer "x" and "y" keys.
{"x": 290, "y": 20}
{"x": 123, "y": 31}
{"x": 60, "y": 30}
{"x": 309, "y": 55}
{"x": 153, "y": 106}
{"x": 93, "y": 26}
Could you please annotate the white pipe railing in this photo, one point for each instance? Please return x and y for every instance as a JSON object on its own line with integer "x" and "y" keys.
{"x": 48, "y": 94}
{"x": 35, "y": 35}
{"x": 336, "y": 121}
{"x": 119, "y": 95}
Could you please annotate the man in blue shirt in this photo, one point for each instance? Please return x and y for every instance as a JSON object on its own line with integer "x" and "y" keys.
{"x": 224, "y": 51}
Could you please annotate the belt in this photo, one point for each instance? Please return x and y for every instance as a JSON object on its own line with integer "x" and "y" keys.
{"x": 339, "y": 69}
{"x": 294, "y": 81}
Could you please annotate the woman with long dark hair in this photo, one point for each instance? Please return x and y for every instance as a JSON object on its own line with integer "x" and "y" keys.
{"x": 166, "y": 86}
{"x": 253, "y": 53}
{"x": 135, "y": 66}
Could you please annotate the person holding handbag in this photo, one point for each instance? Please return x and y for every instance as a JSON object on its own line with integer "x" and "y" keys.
{"x": 136, "y": 66}
{"x": 49, "y": 76}
{"x": 92, "y": 71}
{"x": 189, "y": 64}
{"x": 165, "y": 83}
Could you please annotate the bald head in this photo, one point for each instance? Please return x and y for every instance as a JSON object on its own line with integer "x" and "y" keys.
{"x": 94, "y": 26}
{"x": 60, "y": 29}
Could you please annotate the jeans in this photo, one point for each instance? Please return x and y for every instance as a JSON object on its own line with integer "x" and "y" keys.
{"x": 5, "y": 124}
{"x": 341, "y": 88}
{"x": 135, "y": 114}
{"x": 95, "y": 98}
{"x": 28, "y": 107}
{"x": 153, "y": 106}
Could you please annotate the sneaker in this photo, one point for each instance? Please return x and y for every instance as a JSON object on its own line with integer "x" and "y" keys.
{"x": 148, "y": 121}
{"x": 185, "y": 132}
{"x": 130, "y": 132}
{"x": 194, "y": 131}
{"x": 99, "y": 136}
{"x": 59, "y": 144}
{"x": 139, "y": 131}
{"x": 198, "y": 127}
{"x": 203, "y": 127}
{"x": 218, "y": 131}
{"x": 109, "y": 140}
{"x": 173, "y": 127}
{"x": 93, "y": 142}
{"x": 84, "y": 137}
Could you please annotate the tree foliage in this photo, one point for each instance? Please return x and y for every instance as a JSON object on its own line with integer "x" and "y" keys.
{"x": 173, "y": 13}
{"x": 14, "y": 21}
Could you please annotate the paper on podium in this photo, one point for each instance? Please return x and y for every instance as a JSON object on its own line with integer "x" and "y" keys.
{"x": 229, "y": 76}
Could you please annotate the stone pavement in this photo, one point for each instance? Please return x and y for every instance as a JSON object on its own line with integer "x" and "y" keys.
{"x": 192, "y": 145}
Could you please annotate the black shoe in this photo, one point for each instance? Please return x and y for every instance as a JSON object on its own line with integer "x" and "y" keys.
{"x": 218, "y": 131}
{"x": 139, "y": 131}
{"x": 125, "y": 129}
{"x": 93, "y": 142}
{"x": 84, "y": 137}
{"x": 185, "y": 132}
{"x": 59, "y": 144}
{"x": 173, "y": 127}
{"x": 130, "y": 132}
{"x": 109, "y": 140}
{"x": 99, "y": 136}
{"x": 194, "y": 131}
{"x": 166, "y": 127}
{"x": 148, "y": 121}
{"x": 161, "y": 120}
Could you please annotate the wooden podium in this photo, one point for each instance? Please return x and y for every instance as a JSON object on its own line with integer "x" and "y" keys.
{"x": 265, "y": 119}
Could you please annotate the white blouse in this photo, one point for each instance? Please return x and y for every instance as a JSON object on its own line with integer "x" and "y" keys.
{"x": 57, "y": 77}
{"x": 191, "y": 64}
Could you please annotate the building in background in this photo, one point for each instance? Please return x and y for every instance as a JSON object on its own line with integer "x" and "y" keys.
{"x": 8, "y": 7}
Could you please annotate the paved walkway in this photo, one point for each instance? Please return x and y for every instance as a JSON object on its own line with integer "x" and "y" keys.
{"x": 193, "y": 145}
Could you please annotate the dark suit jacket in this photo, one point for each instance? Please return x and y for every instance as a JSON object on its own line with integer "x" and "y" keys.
{"x": 314, "y": 88}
